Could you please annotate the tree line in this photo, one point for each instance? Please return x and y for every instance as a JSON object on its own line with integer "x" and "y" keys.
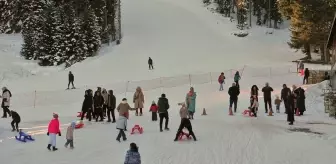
{"x": 61, "y": 31}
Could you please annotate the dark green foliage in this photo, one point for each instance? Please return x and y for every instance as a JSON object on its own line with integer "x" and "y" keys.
{"x": 92, "y": 32}
{"x": 241, "y": 14}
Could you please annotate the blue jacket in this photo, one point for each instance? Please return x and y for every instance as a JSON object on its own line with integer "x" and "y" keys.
{"x": 191, "y": 102}
{"x": 132, "y": 157}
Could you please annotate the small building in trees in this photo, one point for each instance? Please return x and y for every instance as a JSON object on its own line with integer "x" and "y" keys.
{"x": 331, "y": 45}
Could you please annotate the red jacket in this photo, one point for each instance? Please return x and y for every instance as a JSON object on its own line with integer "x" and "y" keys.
{"x": 154, "y": 108}
{"x": 54, "y": 126}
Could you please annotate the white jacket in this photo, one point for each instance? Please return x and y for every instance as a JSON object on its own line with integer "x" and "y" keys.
{"x": 122, "y": 123}
{"x": 255, "y": 104}
{"x": 6, "y": 98}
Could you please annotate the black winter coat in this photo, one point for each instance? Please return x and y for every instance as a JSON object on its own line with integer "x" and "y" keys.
{"x": 71, "y": 77}
{"x": 290, "y": 108}
{"x": 111, "y": 101}
{"x": 16, "y": 117}
{"x": 150, "y": 61}
{"x": 300, "y": 99}
{"x": 163, "y": 105}
{"x": 98, "y": 101}
{"x": 306, "y": 73}
{"x": 233, "y": 92}
{"x": 267, "y": 92}
{"x": 284, "y": 93}
{"x": 87, "y": 103}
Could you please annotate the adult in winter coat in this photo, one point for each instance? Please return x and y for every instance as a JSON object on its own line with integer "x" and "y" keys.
{"x": 221, "y": 81}
{"x": 98, "y": 101}
{"x": 306, "y": 76}
{"x": 138, "y": 100}
{"x": 185, "y": 122}
{"x": 237, "y": 78}
{"x": 6, "y": 97}
{"x": 71, "y": 80}
{"x": 150, "y": 63}
{"x": 267, "y": 90}
{"x": 105, "y": 96}
{"x": 16, "y": 120}
{"x": 191, "y": 102}
{"x": 133, "y": 155}
{"x": 300, "y": 97}
{"x": 290, "y": 108}
{"x": 233, "y": 92}
{"x": 87, "y": 107}
{"x": 111, "y": 105}
{"x": 254, "y": 92}
{"x": 163, "y": 111}
{"x": 53, "y": 130}
{"x": 285, "y": 93}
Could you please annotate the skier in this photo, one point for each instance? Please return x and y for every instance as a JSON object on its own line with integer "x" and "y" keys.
{"x": 69, "y": 135}
{"x": 111, "y": 105}
{"x": 267, "y": 90}
{"x": 191, "y": 102}
{"x": 285, "y": 95}
{"x": 53, "y": 130}
{"x": 306, "y": 76}
{"x": 150, "y": 63}
{"x": 6, "y": 96}
{"x": 87, "y": 107}
{"x": 163, "y": 104}
{"x": 133, "y": 155}
{"x": 105, "y": 96}
{"x": 185, "y": 122}
{"x": 233, "y": 92}
{"x": 290, "y": 108}
{"x": 154, "y": 109}
{"x": 221, "y": 80}
{"x": 123, "y": 109}
{"x": 98, "y": 101}
{"x": 16, "y": 120}
{"x": 138, "y": 100}
{"x": 71, "y": 80}
{"x": 237, "y": 78}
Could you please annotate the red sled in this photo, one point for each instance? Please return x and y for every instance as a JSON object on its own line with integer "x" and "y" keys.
{"x": 184, "y": 134}
{"x": 138, "y": 128}
{"x": 80, "y": 114}
{"x": 79, "y": 125}
{"x": 247, "y": 112}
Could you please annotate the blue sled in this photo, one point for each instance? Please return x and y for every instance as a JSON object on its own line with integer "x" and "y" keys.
{"x": 23, "y": 137}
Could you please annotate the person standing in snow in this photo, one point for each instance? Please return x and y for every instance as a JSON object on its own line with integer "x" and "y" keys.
{"x": 123, "y": 109}
{"x": 133, "y": 155}
{"x": 71, "y": 80}
{"x": 300, "y": 100}
{"x": 221, "y": 81}
{"x": 53, "y": 130}
{"x": 154, "y": 109}
{"x": 237, "y": 78}
{"x": 111, "y": 105}
{"x": 185, "y": 122}
{"x": 87, "y": 105}
{"x": 254, "y": 92}
{"x": 6, "y": 97}
{"x": 254, "y": 105}
{"x": 105, "y": 96}
{"x": 191, "y": 102}
{"x": 16, "y": 120}
{"x": 277, "y": 103}
{"x": 233, "y": 92}
{"x": 290, "y": 108}
{"x": 306, "y": 76}
{"x": 138, "y": 100}
{"x": 163, "y": 104}
{"x": 98, "y": 101}
{"x": 267, "y": 90}
{"x": 70, "y": 135}
{"x": 285, "y": 92}
{"x": 150, "y": 63}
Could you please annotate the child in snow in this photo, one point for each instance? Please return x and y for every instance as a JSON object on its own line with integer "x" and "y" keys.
{"x": 154, "y": 109}
{"x": 16, "y": 120}
{"x": 69, "y": 135}
{"x": 123, "y": 109}
{"x": 254, "y": 105}
{"x": 185, "y": 122}
{"x": 277, "y": 103}
{"x": 221, "y": 81}
{"x": 133, "y": 155}
{"x": 53, "y": 130}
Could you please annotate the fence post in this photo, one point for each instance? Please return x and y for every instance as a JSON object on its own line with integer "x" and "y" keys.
{"x": 270, "y": 72}
{"x": 210, "y": 78}
{"x": 126, "y": 89}
{"x": 35, "y": 99}
{"x": 190, "y": 80}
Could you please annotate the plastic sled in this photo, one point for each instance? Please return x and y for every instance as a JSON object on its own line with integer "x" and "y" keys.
{"x": 23, "y": 137}
{"x": 137, "y": 128}
{"x": 247, "y": 112}
{"x": 184, "y": 134}
{"x": 80, "y": 114}
{"x": 79, "y": 125}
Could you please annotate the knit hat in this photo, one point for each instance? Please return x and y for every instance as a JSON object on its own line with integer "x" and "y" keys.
{"x": 124, "y": 99}
{"x": 55, "y": 115}
{"x": 153, "y": 102}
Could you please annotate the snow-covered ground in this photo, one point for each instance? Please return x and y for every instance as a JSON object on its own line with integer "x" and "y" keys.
{"x": 186, "y": 42}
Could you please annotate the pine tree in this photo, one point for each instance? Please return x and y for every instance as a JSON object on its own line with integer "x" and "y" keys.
{"x": 111, "y": 18}
{"x": 275, "y": 14}
{"x": 285, "y": 8}
{"x": 92, "y": 32}
{"x": 257, "y": 10}
{"x": 241, "y": 14}
{"x": 99, "y": 8}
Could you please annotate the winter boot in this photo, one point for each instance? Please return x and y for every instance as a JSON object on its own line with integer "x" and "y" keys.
{"x": 49, "y": 145}
{"x": 54, "y": 148}
{"x": 118, "y": 140}
{"x": 161, "y": 130}
{"x": 167, "y": 129}
{"x": 136, "y": 114}
{"x": 124, "y": 139}
{"x": 17, "y": 130}
{"x": 13, "y": 130}
{"x": 291, "y": 123}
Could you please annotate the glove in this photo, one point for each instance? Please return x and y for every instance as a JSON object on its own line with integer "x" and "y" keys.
{"x": 47, "y": 133}
{"x": 59, "y": 134}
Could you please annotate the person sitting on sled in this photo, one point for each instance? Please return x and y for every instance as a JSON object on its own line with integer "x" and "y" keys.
{"x": 185, "y": 122}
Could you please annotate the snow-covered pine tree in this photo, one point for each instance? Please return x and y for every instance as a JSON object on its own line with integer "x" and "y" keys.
{"x": 92, "y": 32}
{"x": 111, "y": 17}
{"x": 27, "y": 49}
{"x": 6, "y": 15}
{"x": 241, "y": 14}
{"x": 100, "y": 10}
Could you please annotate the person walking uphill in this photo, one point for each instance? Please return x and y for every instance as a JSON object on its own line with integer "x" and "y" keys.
{"x": 53, "y": 130}
{"x": 150, "y": 63}
{"x": 221, "y": 81}
{"x": 111, "y": 105}
{"x": 71, "y": 80}
{"x": 6, "y": 97}
{"x": 138, "y": 100}
{"x": 87, "y": 107}
{"x": 16, "y": 120}
{"x": 163, "y": 111}
{"x": 234, "y": 93}
{"x": 191, "y": 102}
{"x": 133, "y": 155}
{"x": 267, "y": 90}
